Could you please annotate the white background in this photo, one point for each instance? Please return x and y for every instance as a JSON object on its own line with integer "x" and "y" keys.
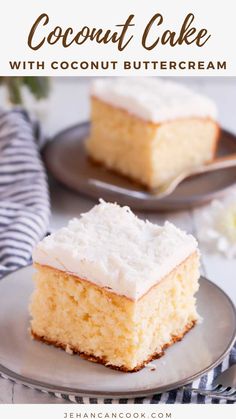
{"x": 58, "y": 412}
{"x": 16, "y": 19}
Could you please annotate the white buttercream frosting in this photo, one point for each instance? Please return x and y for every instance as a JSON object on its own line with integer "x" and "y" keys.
{"x": 111, "y": 247}
{"x": 153, "y": 99}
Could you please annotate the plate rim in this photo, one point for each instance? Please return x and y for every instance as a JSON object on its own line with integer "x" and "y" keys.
{"x": 148, "y": 203}
{"x": 50, "y": 388}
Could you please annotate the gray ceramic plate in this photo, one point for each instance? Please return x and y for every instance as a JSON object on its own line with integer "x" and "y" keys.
{"x": 45, "y": 367}
{"x": 67, "y": 161}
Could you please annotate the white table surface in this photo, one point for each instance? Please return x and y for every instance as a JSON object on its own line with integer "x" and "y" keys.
{"x": 69, "y": 104}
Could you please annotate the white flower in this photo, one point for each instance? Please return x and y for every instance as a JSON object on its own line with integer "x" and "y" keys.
{"x": 218, "y": 227}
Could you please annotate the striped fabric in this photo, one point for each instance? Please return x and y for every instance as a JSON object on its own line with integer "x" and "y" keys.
{"x": 24, "y": 213}
{"x": 179, "y": 396}
{"x": 24, "y": 202}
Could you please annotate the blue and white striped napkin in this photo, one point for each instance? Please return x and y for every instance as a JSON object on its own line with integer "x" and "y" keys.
{"x": 24, "y": 214}
{"x": 24, "y": 201}
{"x": 178, "y": 396}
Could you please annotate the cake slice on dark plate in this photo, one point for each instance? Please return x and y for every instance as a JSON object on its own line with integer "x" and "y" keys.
{"x": 150, "y": 130}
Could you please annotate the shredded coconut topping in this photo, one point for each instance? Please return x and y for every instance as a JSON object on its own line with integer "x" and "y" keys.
{"x": 113, "y": 248}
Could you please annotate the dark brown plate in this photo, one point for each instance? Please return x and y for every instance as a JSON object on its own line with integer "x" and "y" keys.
{"x": 67, "y": 161}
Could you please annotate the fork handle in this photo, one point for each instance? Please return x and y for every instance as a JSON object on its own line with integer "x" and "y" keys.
{"x": 212, "y": 394}
{"x": 223, "y": 162}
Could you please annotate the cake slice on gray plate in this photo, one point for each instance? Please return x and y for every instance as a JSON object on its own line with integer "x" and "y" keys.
{"x": 115, "y": 289}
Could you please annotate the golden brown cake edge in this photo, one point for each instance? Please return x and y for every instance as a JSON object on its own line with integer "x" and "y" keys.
{"x": 102, "y": 361}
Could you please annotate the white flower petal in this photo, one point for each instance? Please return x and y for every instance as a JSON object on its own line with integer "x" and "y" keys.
{"x": 218, "y": 226}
